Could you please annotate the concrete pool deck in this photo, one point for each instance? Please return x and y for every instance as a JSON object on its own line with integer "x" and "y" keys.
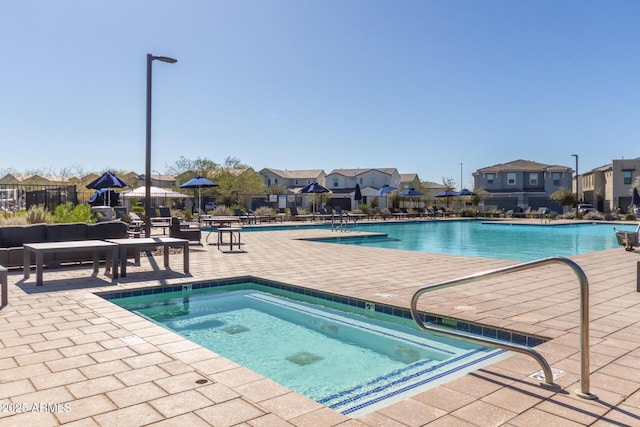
{"x": 69, "y": 357}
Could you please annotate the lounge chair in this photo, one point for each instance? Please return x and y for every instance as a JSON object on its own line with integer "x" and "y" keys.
{"x": 248, "y": 218}
{"x": 177, "y": 230}
{"x": 295, "y": 216}
{"x": 628, "y": 239}
{"x": 163, "y": 220}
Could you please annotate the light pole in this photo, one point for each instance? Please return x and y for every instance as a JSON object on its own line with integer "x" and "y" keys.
{"x": 461, "y": 186}
{"x": 147, "y": 172}
{"x": 577, "y": 191}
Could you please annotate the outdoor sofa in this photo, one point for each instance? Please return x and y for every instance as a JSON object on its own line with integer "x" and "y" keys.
{"x": 12, "y": 238}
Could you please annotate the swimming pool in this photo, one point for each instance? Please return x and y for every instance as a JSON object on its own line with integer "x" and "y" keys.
{"x": 519, "y": 242}
{"x": 354, "y": 360}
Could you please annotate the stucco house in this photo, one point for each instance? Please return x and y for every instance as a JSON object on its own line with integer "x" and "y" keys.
{"x": 521, "y": 183}
{"x": 610, "y": 187}
{"x": 342, "y": 183}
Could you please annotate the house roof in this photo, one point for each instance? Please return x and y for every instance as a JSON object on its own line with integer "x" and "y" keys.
{"x": 521, "y": 165}
{"x": 356, "y": 172}
{"x": 408, "y": 177}
{"x": 292, "y": 174}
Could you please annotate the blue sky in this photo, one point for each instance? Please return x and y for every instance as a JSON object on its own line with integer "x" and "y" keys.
{"x": 421, "y": 85}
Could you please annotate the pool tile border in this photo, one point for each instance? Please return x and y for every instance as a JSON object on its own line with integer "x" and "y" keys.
{"x": 459, "y": 325}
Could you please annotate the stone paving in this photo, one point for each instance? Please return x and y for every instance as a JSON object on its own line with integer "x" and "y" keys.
{"x": 69, "y": 357}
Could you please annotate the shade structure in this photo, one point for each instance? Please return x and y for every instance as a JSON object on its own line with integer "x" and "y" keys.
{"x": 107, "y": 180}
{"x": 199, "y": 182}
{"x": 155, "y": 192}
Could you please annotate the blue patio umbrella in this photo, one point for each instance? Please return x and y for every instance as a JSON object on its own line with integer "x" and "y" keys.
{"x": 199, "y": 182}
{"x": 465, "y": 192}
{"x": 314, "y": 187}
{"x": 385, "y": 189}
{"x": 107, "y": 180}
{"x": 635, "y": 197}
{"x": 447, "y": 194}
{"x": 411, "y": 192}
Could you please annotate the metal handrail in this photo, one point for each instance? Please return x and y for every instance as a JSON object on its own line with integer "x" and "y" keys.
{"x": 342, "y": 220}
{"x": 584, "y": 318}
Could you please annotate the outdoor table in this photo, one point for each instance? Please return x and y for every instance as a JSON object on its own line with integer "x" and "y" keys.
{"x": 234, "y": 235}
{"x": 94, "y": 246}
{"x": 151, "y": 242}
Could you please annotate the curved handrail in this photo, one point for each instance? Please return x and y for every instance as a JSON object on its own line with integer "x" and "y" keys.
{"x": 584, "y": 317}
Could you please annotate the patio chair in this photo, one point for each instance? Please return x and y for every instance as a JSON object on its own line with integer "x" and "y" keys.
{"x": 248, "y": 218}
{"x": 183, "y": 231}
{"x": 295, "y": 216}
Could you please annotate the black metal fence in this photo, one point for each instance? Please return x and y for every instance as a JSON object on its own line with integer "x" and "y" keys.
{"x": 23, "y": 196}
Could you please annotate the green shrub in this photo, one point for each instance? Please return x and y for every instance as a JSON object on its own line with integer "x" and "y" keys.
{"x": 137, "y": 208}
{"x": 69, "y": 213}
{"x": 630, "y": 217}
{"x": 363, "y": 207}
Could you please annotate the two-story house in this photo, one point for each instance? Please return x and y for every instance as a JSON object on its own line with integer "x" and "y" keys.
{"x": 342, "y": 183}
{"x": 522, "y": 183}
{"x": 293, "y": 181}
{"x": 609, "y": 187}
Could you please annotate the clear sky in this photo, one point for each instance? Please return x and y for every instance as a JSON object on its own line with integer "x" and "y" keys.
{"x": 419, "y": 85}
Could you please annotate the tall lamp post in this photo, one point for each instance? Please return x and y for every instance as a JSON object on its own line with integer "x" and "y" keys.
{"x": 147, "y": 172}
{"x": 577, "y": 191}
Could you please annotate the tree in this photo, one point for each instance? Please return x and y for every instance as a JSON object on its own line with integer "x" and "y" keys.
{"x": 564, "y": 197}
{"x": 236, "y": 181}
{"x": 199, "y": 166}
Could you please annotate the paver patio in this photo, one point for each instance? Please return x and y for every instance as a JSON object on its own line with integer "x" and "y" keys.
{"x": 67, "y": 357}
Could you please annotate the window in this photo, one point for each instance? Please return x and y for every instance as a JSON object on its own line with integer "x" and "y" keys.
{"x": 296, "y": 182}
{"x": 556, "y": 178}
{"x": 335, "y": 182}
{"x": 361, "y": 180}
{"x": 511, "y": 178}
{"x": 533, "y": 179}
{"x": 490, "y": 178}
{"x": 627, "y": 177}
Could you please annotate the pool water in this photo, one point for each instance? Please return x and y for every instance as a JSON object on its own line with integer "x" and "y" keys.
{"x": 344, "y": 360}
{"x": 489, "y": 239}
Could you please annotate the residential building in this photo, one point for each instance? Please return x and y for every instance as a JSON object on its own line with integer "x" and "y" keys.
{"x": 608, "y": 188}
{"x": 521, "y": 183}
{"x": 292, "y": 179}
{"x": 342, "y": 183}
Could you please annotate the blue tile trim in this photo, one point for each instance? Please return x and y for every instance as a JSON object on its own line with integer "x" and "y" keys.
{"x": 463, "y": 326}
